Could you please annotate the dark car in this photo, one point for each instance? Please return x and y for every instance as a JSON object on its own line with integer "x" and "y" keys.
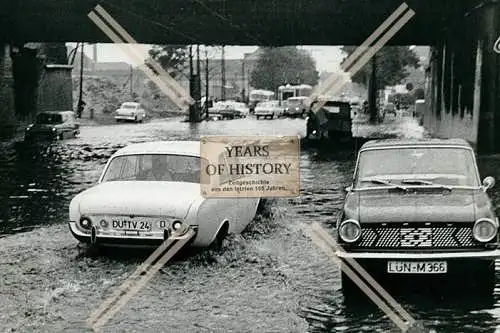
{"x": 333, "y": 121}
{"x": 419, "y": 208}
{"x": 53, "y": 125}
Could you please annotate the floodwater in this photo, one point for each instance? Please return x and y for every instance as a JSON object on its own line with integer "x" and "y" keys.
{"x": 271, "y": 278}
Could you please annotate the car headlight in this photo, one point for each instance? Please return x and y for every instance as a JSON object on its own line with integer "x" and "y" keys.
{"x": 85, "y": 223}
{"x": 484, "y": 230}
{"x": 54, "y": 129}
{"x": 350, "y": 231}
{"x": 179, "y": 228}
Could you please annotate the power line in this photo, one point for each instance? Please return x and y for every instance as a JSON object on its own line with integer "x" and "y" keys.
{"x": 151, "y": 21}
{"x": 230, "y": 22}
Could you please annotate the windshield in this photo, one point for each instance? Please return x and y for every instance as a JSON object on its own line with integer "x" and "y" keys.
{"x": 128, "y": 106}
{"x": 266, "y": 104}
{"x": 49, "y": 119}
{"x": 154, "y": 167}
{"x": 417, "y": 166}
{"x": 294, "y": 101}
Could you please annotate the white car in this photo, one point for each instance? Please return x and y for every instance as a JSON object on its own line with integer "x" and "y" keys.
{"x": 129, "y": 207}
{"x": 130, "y": 111}
{"x": 269, "y": 109}
{"x": 296, "y": 106}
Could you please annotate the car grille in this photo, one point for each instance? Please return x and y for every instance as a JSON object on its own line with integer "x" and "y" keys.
{"x": 43, "y": 135}
{"x": 418, "y": 237}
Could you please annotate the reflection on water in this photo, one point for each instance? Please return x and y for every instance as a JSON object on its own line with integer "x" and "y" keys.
{"x": 270, "y": 279}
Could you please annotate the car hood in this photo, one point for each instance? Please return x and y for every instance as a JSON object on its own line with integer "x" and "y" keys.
{"x": 436, "y": 206}
{"x": 173, "y": 199}
{"x": 44, "y": 127}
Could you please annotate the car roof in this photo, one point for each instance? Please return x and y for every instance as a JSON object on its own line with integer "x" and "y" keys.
{"x": 397, "y": 143}
{"x": 130, "y": 103}
{"x": 188, "y": 148}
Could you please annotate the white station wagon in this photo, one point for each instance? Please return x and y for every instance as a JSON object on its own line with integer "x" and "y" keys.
{"x": 130, "y": 111}
{"x": 149, "y": 192}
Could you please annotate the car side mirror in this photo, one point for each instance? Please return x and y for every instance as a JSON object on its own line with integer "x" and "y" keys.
{"x": 488, "y": 183}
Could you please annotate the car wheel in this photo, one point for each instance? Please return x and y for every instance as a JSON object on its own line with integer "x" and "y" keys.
{"x": 272, "y": 117}
{"x": 484, "y": 281}
{"x": 218, "y": 242}
{"x": 135, "y": 118}
{"x": 258, "y": 117}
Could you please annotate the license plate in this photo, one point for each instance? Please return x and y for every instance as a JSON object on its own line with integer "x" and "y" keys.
{"x": 131, "y": 224}
{"x": 417, "y": 267}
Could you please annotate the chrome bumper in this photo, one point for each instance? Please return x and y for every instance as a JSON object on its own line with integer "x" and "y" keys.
{"x": 487, "y": 254}
{"x": 115, "y": 238}
{"x": 125, "y": 117}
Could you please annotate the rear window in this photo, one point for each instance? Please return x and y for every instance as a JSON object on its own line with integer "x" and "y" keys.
{"x": 49, "y": 119}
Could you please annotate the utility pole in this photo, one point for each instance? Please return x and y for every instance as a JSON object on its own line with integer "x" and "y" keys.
{"x": 131, "y": 87}
{"x": 223, "y": 76}
{"x": 198, "y": 85}
{"x": 80, "y": 96}
{"x": 206, "y": 82}
{"x": 243, "y": 85}
{"x": 191, "y": 88}
{"x": 372, "y": 92}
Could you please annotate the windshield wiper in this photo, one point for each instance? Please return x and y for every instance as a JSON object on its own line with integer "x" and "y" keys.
{"x": 384, "y": 182}
{"x": 425, "y": 182}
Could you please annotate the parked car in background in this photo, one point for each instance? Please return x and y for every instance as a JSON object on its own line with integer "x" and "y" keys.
{"x": 151, "y": 191}
{"x": 241, "y": 110}
{"x": 296, "y": 106}
{"x": 389, "y": 108}
{"x": 130, "y": 111}
{"x": 228, "y": 110}
{"x": 419, "y": 110}
{"x": 419, "y": 208}
{"x": 269, "y": 109}
{"x": 52, "y": 125}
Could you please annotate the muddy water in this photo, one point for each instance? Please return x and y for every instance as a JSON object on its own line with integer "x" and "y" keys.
{"x": 269, "y": 279}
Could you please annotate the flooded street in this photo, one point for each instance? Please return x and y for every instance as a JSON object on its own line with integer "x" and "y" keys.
{"x": 271, "y": 278}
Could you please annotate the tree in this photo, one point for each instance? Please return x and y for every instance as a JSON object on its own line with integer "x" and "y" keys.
{"x": 281, "y": 65}
{"x": 392, "y": 65}
{"x": 172, "y": 58}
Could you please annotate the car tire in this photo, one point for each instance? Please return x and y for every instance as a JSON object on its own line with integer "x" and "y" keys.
{"x": 484, "y": 281}
{"x": 135, "y": 119}
{"x": 218, "y": 243}
{"x": 258, "y": 117}
{"x": 272, "y": 116}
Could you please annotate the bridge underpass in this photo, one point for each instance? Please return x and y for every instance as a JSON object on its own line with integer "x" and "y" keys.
{"x": 462, "y": 90}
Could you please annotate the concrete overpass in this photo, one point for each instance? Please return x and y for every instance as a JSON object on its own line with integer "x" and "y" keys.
{"x": 463, "y": 90}
{"x": 229, "y": 22}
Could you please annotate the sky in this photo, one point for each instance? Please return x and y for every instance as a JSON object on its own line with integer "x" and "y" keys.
{"x": 327, "y": 58}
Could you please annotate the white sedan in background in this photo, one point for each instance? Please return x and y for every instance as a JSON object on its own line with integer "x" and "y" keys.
{"x": 269, "y": 109}
{"x": 131, "y": 111}
{"x": 149, "y": 192}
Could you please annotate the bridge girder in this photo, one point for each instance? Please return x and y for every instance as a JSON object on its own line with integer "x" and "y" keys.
{"x": 229, "y": 22}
